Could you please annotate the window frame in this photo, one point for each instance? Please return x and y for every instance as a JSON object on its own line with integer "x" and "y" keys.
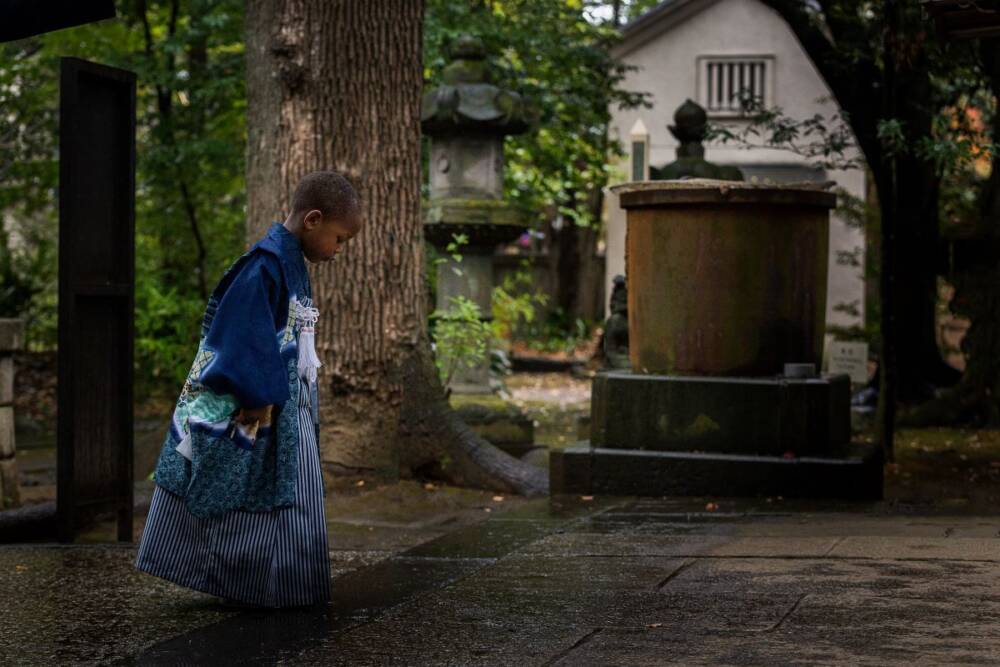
{"x": 702, "y": 80}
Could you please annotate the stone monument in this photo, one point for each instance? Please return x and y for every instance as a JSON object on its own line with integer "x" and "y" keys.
{"x": 616, "y": 328}
{"x": 690, "y": 127}
{"x": 726, "y": 317}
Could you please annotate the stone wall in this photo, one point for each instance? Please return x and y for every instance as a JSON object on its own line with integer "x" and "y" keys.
{"x": 11, "y": 339}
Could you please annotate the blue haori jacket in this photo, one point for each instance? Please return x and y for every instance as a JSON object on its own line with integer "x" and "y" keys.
{"x": 248, "y": 356}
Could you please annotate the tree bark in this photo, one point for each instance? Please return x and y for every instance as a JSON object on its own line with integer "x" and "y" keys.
{"x": 578, "y": 284}
{"x": 336, "y": 85}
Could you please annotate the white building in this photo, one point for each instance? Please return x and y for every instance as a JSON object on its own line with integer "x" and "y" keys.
{"x": 680, "y": 48}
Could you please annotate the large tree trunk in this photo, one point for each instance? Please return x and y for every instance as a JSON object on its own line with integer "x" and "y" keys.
{"x": 577, "y": 279}
{"x": 336, "y": 85}
{"x": 577, "y": 283}
{"x": 917, "y": 267}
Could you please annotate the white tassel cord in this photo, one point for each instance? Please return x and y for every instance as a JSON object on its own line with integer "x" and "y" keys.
{"x": 184, "y": 446}
{"x": 308, "y": 360}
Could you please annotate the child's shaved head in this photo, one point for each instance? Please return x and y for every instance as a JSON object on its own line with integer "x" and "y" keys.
{"x": 328, "y": 192}
{"x": 326, "y": 214}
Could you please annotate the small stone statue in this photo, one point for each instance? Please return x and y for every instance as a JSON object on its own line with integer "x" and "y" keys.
{"x": 616, "y": 328}
{"x": 690, "y": 127}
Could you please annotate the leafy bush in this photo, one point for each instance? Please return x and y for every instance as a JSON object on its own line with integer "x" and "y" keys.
{"x": 167, "y": 328}
{"x": 461, "y": 337}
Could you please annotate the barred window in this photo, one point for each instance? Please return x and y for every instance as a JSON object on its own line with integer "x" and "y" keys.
{"x": 724, "y": 81}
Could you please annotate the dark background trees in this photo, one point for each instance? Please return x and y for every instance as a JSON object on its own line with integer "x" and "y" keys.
{"x": 906, "y": 94}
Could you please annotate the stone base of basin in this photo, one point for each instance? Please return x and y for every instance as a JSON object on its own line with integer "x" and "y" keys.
{"x": 583, "y": 469}
{"x": 768, "y": 416}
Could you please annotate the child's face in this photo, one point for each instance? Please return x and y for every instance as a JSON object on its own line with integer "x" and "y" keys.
{"x": 323, "y": 239}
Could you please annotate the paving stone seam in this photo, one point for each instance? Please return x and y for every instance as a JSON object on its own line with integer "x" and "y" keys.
{"x": 565, "y": 652}
{"x": 677, "y": 570}
{"x": 787, "y": 614}
{"x": 751, "y": 557}
{"x": 447, "y": 559}
{"x": 414, "y": 525}
{"x": 835, "y": 544}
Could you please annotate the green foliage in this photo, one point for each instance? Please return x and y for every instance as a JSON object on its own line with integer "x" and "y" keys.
{"x": 28, "y": 287}
{"x": 825, "y": 140}
{"x": 551, "y": 52}
{"x": 461, "y": 337}
{"x": 514, "y": 303}
{"x": 165, "y": 320}
{"x": 556, "y": 333}
{"x": 191, "y": 135}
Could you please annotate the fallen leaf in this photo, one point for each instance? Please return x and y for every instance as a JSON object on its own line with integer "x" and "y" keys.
{"x": 20, "y": 568}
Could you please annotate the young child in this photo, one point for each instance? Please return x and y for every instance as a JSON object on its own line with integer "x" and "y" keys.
{"x": 237, "y": 510}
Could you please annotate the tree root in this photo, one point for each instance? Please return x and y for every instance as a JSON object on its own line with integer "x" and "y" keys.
{"x": 961, "y": 405}
{"x": 436, "y": 442}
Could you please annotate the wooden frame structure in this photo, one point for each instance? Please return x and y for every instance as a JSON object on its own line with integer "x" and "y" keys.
{"x": 96, "y": 295}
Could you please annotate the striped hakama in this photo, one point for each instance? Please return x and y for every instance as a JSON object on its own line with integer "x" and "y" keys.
{"x": 271, "y": 559}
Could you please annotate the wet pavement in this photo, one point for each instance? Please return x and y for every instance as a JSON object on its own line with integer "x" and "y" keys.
{"x": 562, "y": 581}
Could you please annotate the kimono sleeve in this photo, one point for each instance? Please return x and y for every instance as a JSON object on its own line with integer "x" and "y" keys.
{"x": 243, "y": 335}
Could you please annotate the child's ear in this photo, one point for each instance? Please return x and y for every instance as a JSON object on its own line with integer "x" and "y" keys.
{"x": 312, "y": 218}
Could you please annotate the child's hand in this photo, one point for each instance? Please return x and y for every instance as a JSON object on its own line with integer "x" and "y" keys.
{"x": 248, "y": 416}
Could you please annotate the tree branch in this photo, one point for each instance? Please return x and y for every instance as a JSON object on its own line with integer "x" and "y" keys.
{"x": 852, "y": 87}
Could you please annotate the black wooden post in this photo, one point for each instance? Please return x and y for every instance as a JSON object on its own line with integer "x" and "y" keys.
{"x": 96, "y": 295}
{"x": 25, "y": 18}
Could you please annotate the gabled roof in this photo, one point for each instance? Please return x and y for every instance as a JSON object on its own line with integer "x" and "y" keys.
{"x": 657, "y": 20}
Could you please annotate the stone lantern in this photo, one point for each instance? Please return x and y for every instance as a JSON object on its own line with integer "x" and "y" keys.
{"x": 467, "y": 118}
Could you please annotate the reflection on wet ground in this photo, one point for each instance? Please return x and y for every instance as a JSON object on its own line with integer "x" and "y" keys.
{"x": 567, "y": 580}
{"x": 432, "y": 575}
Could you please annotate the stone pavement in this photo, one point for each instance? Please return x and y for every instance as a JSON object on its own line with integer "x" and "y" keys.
{"x": 562, "y": 581}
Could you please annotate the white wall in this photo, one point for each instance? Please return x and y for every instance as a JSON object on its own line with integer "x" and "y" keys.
{"x": 667, "y": 69}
